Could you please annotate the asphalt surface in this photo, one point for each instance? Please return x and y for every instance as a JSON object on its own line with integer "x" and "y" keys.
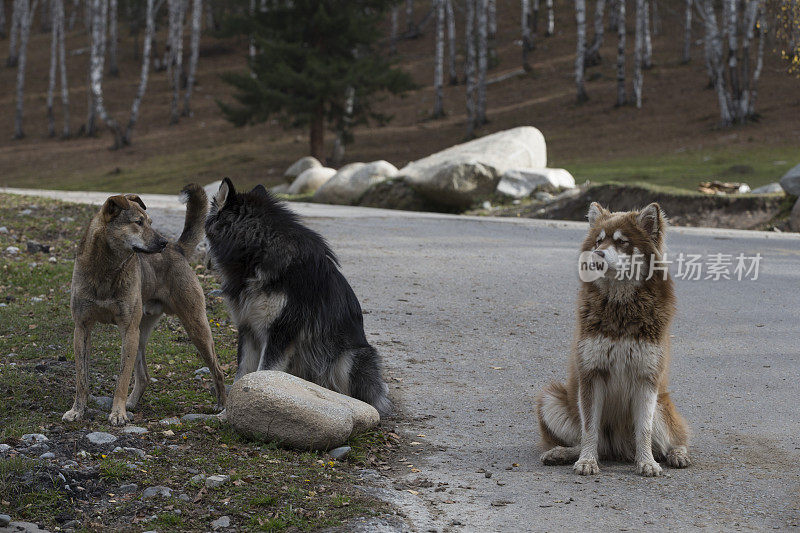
{"x": 473, "y": 316}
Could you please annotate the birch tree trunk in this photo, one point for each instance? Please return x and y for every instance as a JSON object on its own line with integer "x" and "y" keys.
{"x": 113, "y": 69}
{"x": 713, "y": 40}
{"x": 26, "y": 12}
{"x": 551, "y": 19}
{"x": 343, "y": 135}
{"x": 410, "y": 17}
{"x": 647, "y": 58}
{"x": 194, "y": 45}
{"x": 483, "y": 60}
{"x": 613, "y": 16}
{"x": 46, "y": 22}
{"x": 451, "y": 43}
{"x": 13, "y": 38}
{"x": 580, "y": 54}
{"x": 687, "y": 33}
{"x": 73, "y": 15}
{"x": 395, "y": 16}
{"x": 733, "y": 53}
{"x": 527, "y": 39}
{"x": 252, "y": 46}
{"x": 438, "y": 70}
{"x": 762, "y": 34}
{"x": 593, "y": 53}
{"x": 492, "y": 16}
{"x": 149, "y": 30}
{"x": 622, "y": 97}
{"x": 176, "y": 55}
{"x": 638, "y": 52}
{"x": 62, "y": 61}
{"x": 51, "y": 81}
{"x": 97, "y": 66}
{"x": 470, "y": 69}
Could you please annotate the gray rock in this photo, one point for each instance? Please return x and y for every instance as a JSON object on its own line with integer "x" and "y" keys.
{"x": 397, "y": 194}
{"x": 310, "y": 180}
{"x": 281, "y": 188}
{"x": 466, "y": 173}
{"x": 4, "y": 520}
{"x": 184, "y": 497}
{"x": 47, "y": 455}
{"x": 300, "y": 166}
{"x": 213, "y": 482}
{"x": 100, "y": 437}
{"x": 128, "y": 488}
{"x": 36, "y": 449}
{"x": 12, "y": 250}
{"x": 340, "y": 452}
{"x": 520, "y": 183}
{"x": 36, "y": 299}
{"x": 350, "y": 183}
{"x": 202, "y": 370}
{"x": 171, "y": 421}
{"x": 221, "y": 522}
{"x": 152, "y": 492}
{"x": 199, "y": 479}
{"x": 4, "y": 448}
{"x": 26, "y": 212}
{"x": 794, "y": 217}
{"x": 132, "y": 451}
{"x": 102, "y": 402}
{"x": 273, "y": 405}
{"x": 192, "y": 417}
{"x": 33, "y": 438}
{"x": 771, "y": 188}
{"x": 791, "y": 181}
{"x": 24, "y": 527}
{"x": 3, "y": 230}
{"x": 135, "y": 430}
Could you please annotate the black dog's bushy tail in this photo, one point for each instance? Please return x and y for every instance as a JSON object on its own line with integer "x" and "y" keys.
{"x": 194, "y": 196}
{"x": 366, "y": 383}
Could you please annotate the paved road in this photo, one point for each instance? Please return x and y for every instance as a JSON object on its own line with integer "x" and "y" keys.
{"x": 473, "y": 316}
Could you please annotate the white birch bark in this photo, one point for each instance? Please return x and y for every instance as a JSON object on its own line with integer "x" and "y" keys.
{"x": 451, "y": 43}
{"x": 176, "y": 53}
{"x": 62, "y": 61}
{"x": 438, "y": 70}
{"x": 483, "y": 60}
{"x": 733, "y": 51}
{"x": 73, "y": 15}
{"x": 113, "y": 38}
{"x": 492, "y": 19}
{"x": 638, "y": 52}
{"x": 342, "y": 135}
{"x": 470, "y": 69}
{"x": 149, "y": 30}
{"x": 580, "y": 53}
{"x": 535, "y": 20}
{"x": 51, "y": 80}
{"x": 647, "y": 57}
{"x": 13, "y": 37}
{"x": 613, "y": 16}
{"x": 527, "y": 39}
{"x": 45, "y": 22}
{"x": 593, "y": 53}
{"x": 762, "y": 34}
{"x": 713, "y": 39}
{"x": 97, "y": 66}
{"x": 395, "y": 22}
{"x": 687, "y": 33}
{"x": 622, "y": 97}
{"x": 252, "y": 46}
{"x": 26, "y": 12}
{"x": 551, "y": 19}
{"x": 194, "y": 46}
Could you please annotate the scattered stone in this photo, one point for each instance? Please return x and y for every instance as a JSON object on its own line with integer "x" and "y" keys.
{"x": 199, "y": 479}
{"x": 300, "y": 166}
{"x": 36, "y": 300}
{"x": 520, "y": 183}
{"x": 221, "y": 522}
{"x": 213, "y": 482}
{"x": 277, "y": 406}
{"x": 33, "y": 438}
{"x": 66, "y": 219}
{"x": 83, "y": 454}
{"x": 350, "y": 183}
{"x": 37, "y": 448}
{"x": 184, "y": 498}
{"x": 168, "y": 433}
{"x": 397, "y": 194}
{"x": 203, "y": 370}
{"x": 12, "y": 250}
{"x": 26, "y": 212}
{"x": 47, "y": 455}
{"x": 69, "y": 463}
{"x": 310, "y": 180}
{"x": 25, "y": 527}
{"x": 3, "y": 230}
{"x": 102, "y": 402}
{"x": 340, "y": 452}
{"x": 794, "y": 217}
{"x": 128, "y": 488}
{"x": 36, "y": 247}
{"x": 4, "y": 520}
{"x": 791, "y": 181}
{"x": 53, "y": 259}
{"x": 4, "y": 448}
{"x": 133, "y": 451}
{"x": 100, "y": 438}
{"x": 171, "y": 421}
{"x": 192, "y": 417}
{"x": 771, "y": 188}
{"x": 152, "y": 492}
{"x": 136, "y": 430}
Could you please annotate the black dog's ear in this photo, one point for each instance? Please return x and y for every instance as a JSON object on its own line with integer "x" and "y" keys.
{"x": 114, "y": 206}
{"x": 225, "y": 192}
{"x": 135, "y": 198}
{"x": 259, "y": 190}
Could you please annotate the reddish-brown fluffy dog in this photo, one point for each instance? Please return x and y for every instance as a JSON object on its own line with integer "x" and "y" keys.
{"x": 615, "y": 403}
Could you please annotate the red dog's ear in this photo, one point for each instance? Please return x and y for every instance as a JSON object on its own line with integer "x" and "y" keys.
{"x": 135, "y": 198}
{"x": 113, "y": 206}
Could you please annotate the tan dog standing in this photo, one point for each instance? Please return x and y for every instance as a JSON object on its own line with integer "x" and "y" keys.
{"x": 615, "y": 403}
{"x": 127, "y": 274}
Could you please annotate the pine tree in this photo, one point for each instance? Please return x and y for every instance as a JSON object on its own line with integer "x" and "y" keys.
{"x": 308, "y": 54}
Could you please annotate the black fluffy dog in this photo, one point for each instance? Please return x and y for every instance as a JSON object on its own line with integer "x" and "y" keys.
{"x": 294, "y": 309}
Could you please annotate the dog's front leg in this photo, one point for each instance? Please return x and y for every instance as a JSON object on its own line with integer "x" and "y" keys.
{"x": 591, "y": 395}
{"x": 130, "y": 345}
{"x": 644, "y": 408}
{"x": 82, "y": 340}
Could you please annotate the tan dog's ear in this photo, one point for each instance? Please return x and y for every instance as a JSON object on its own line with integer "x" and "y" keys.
{"x": 596, "y": 212}
{"x": 135, "y": 198}
{"x": 113, "y": 206}
{"x": 652, "y": 220}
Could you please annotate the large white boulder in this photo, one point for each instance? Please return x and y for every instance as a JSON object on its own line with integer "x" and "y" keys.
{"x": 276, "y": 406}
{"x": 300, "y": 166}
{"x": 466, "y": 173}
{"x": 521, "y": 183}
{"x": 771, "y": 188}
{"x": 351, "y": 181}
{"x": 791, "y": 181}
{"x": 310, "y": 180}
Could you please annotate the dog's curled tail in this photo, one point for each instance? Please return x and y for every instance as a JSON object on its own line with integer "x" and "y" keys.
{"x": 194, "y": 196}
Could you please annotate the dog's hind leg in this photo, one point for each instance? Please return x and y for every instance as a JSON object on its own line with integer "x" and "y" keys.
{"x": 141, "y": 377}
{"x": 559, "y": 425}
{"x": 366, "y": 383}
{"x": 248, "y": 352}
{"x": 82, "y": 342}
{"x": 193, "y": 316}
{"x": 670, "y": 434}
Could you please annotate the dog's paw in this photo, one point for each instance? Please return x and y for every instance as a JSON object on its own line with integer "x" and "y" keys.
{"x": 678, "y": 457}
{"x": 648, "y": 468}
{"x": 586, "y": 467}
{"x": 130, "y": 404}
{"x": 119, "y": 418}
{"x": 558, "y": 456}
{"x": 223, "y": 415}
{"x": 73, "y": 415}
